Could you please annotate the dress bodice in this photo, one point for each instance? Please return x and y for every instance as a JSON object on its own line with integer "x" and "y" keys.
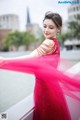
{"x": 56, "y": 47}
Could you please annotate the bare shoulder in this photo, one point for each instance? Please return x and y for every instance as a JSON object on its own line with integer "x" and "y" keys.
{"x": 49, "y": 42}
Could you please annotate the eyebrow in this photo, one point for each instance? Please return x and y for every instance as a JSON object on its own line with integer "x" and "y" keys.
{"x": 49, "y": 25}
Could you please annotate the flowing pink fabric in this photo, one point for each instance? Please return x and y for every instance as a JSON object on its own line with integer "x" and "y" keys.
{"x": 51, "y": 84}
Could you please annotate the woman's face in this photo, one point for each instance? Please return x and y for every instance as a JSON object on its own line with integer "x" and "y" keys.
{"x": 49, "y": 29}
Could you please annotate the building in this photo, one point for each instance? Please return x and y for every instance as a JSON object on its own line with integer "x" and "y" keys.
{"x": 74, "y": 11}
{"x": 73, "y": 14}
{"x": 9, "y": 21}
{"x": 74, "y": 44}
{"x": 34, "y": 28}
{"x": 3, "y": 35}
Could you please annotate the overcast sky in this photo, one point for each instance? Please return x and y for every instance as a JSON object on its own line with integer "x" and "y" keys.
{"x": 37, "y": 9}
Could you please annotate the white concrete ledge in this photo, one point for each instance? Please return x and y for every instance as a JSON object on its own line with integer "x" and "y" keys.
{"x": 22, "y": 109}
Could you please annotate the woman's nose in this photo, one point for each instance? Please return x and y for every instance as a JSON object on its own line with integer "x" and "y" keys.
{"x": 46, "y": 29}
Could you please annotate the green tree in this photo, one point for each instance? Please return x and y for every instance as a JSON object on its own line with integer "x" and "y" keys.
{"x": 74, "y": 28}
{"x": 28, "y": 38}
{"x": 73, "y": 31}
{"x": 13, "y": 38}
{"x": 17, "y": 38}
{"x": 8, "y": 41}
{"x": 62, "y": 37}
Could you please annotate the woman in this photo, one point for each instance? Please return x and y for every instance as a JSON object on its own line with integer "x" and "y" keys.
{"x": 50, "y": 83}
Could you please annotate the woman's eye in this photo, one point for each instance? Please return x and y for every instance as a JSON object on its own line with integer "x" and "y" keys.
{"x": 51, "y": 28}
{"x": 44, "y": 26}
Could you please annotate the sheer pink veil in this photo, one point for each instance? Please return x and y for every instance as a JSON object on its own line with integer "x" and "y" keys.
{"x": 49, "y": 72}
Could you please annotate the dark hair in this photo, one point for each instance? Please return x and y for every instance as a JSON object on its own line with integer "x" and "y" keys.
{"x": 55, "y": 17}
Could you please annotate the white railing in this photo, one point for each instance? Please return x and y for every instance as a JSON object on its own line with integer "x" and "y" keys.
{"x": 24, "y": 109}
{"x": 21, "y": 110}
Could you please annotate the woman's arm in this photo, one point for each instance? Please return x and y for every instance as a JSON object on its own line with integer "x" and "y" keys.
{"x": 32, "y": 54}
{"x": 26, "y": 62}
{"x": 43, "y": 49}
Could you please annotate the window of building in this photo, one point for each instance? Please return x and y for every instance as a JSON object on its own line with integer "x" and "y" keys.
{"x": 73, "y": 8}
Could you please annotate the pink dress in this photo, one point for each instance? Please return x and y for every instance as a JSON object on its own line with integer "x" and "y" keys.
{"x": 51, "y": 84}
